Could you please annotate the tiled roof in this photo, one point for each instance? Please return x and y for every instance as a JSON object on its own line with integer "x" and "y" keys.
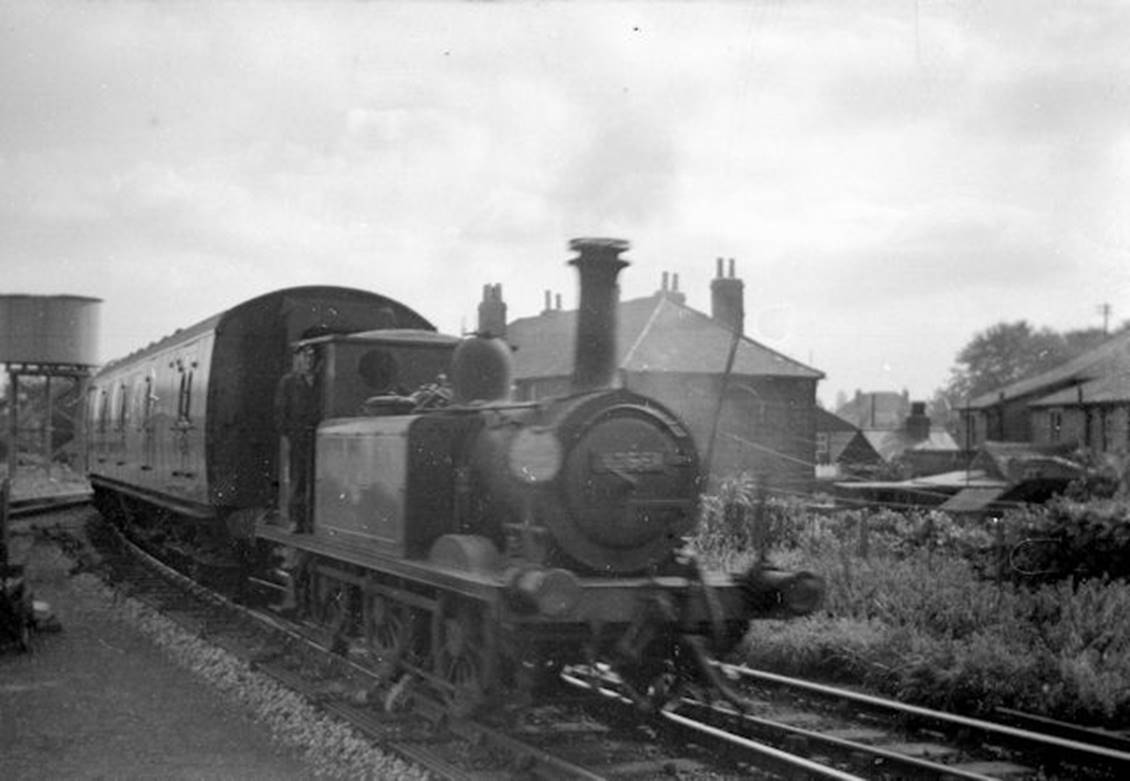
{"x": 827, "y": 421}
{"x": 890, "y": 444}
{"x": 655, "y": 334}
{"x": 1115, "y": 388}
{"x": 1112, "y": 356}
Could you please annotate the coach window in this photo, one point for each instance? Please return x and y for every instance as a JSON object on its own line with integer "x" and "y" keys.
{"x": 379, "y": 371}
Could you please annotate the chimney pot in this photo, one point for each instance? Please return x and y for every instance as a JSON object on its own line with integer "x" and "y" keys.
{"x": 727, "y": 296}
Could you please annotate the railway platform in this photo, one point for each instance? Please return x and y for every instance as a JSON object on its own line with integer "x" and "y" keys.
{"x": 99, "y": 700}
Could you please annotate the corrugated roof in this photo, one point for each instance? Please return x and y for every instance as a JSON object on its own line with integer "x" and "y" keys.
{"x": 1115, "y": 388}
{"x": 1112, "y": 356}
{"x": 1015, "y": 461}
{"x": 655, "y": 334}
{"x": 947, "y": 481}
{"x": 972, "y": 500}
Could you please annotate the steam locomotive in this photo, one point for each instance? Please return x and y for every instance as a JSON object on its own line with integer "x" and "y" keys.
{"x": 476, "y": 543}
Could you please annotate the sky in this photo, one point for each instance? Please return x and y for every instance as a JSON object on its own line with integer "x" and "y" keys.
{"x": 891, "y": 178}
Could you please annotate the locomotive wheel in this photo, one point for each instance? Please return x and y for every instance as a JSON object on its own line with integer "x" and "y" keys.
{"x": 335, "y": 613}
{"x": 460, "y": 661}
{"x": 653, "y": 677}
{"x": 388, "y": 631}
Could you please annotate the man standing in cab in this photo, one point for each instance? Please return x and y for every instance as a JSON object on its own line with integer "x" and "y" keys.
{"x": 296, "y": 418}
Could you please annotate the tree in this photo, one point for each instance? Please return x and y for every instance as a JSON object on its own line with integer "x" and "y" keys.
{"x": 1004, "y": 354}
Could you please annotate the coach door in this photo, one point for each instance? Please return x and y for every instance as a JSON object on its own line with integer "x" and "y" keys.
{"x": 120, "y": 445}
{"x": 183, "y": 425}
{"x": 146, "y": 424}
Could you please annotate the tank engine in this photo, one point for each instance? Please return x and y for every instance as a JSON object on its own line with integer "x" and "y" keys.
{"x": 479, "y": 543}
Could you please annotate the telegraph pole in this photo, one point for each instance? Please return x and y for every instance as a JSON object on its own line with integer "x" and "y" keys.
{"x": 1104, "y": 310}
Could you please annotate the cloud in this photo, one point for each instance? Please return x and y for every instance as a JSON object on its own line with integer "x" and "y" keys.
{"x": 867, "y": 165}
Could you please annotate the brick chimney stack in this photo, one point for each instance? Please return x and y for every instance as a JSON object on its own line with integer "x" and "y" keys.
{"x": 492, "y": 312}
{"x": 917, "y": 422}
{"x": 727, "y": 298}
{"x": 670, "y": 288}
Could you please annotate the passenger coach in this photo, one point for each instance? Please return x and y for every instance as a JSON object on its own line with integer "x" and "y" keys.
{"x": 187, "y": 422}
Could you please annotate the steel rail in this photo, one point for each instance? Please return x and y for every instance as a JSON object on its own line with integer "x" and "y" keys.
{"x": 792, "y": 761}
{"x": 1091, "y": 735}
{"x": 31, "y": 505}
{"x": 842, "y": 744}
{"x": 1118, "y": 758}
{"x": 531, "y": 757}
{"x": 815, "y": 769}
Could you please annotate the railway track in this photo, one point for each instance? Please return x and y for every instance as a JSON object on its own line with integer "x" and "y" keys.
{"x": 873, "y": 737}
{"x": 401, "y": 716}
{"x": 799, "y": 729}
{"x": 780, "y": 728}
{"x": 28, "y": 506}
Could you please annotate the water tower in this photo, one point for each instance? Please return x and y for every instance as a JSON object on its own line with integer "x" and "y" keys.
{"x": 48, "y": 348}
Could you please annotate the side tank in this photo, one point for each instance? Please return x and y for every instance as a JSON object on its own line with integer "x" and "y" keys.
{"x": 388, "y": 484}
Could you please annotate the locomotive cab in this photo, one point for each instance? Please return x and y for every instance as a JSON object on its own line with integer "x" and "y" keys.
{"x": 360, "y": 371}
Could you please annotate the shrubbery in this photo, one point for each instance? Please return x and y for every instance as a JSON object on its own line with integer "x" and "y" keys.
{"x": 1069, "y": 538}
{"x": 936, "y": 611}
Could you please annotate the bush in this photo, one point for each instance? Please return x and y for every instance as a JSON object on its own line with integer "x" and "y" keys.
{"x": 1066, "y": 538}
{"x": 909, "y": 613}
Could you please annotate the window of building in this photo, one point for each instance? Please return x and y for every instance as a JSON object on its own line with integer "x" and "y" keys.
{"x": 1055, "y": 425}
{"x": 822, "y": 447}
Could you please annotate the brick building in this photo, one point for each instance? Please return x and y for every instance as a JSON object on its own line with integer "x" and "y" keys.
{"x": 1084, "y": 402}
{"x": 678, "y": 355}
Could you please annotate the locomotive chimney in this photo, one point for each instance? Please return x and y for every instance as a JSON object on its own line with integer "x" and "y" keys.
{"x": 599, "y": 264}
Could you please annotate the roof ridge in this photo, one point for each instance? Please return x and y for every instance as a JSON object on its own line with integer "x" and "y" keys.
{"x": 626, "y": 358}
{"x": 1071, "y": 369}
